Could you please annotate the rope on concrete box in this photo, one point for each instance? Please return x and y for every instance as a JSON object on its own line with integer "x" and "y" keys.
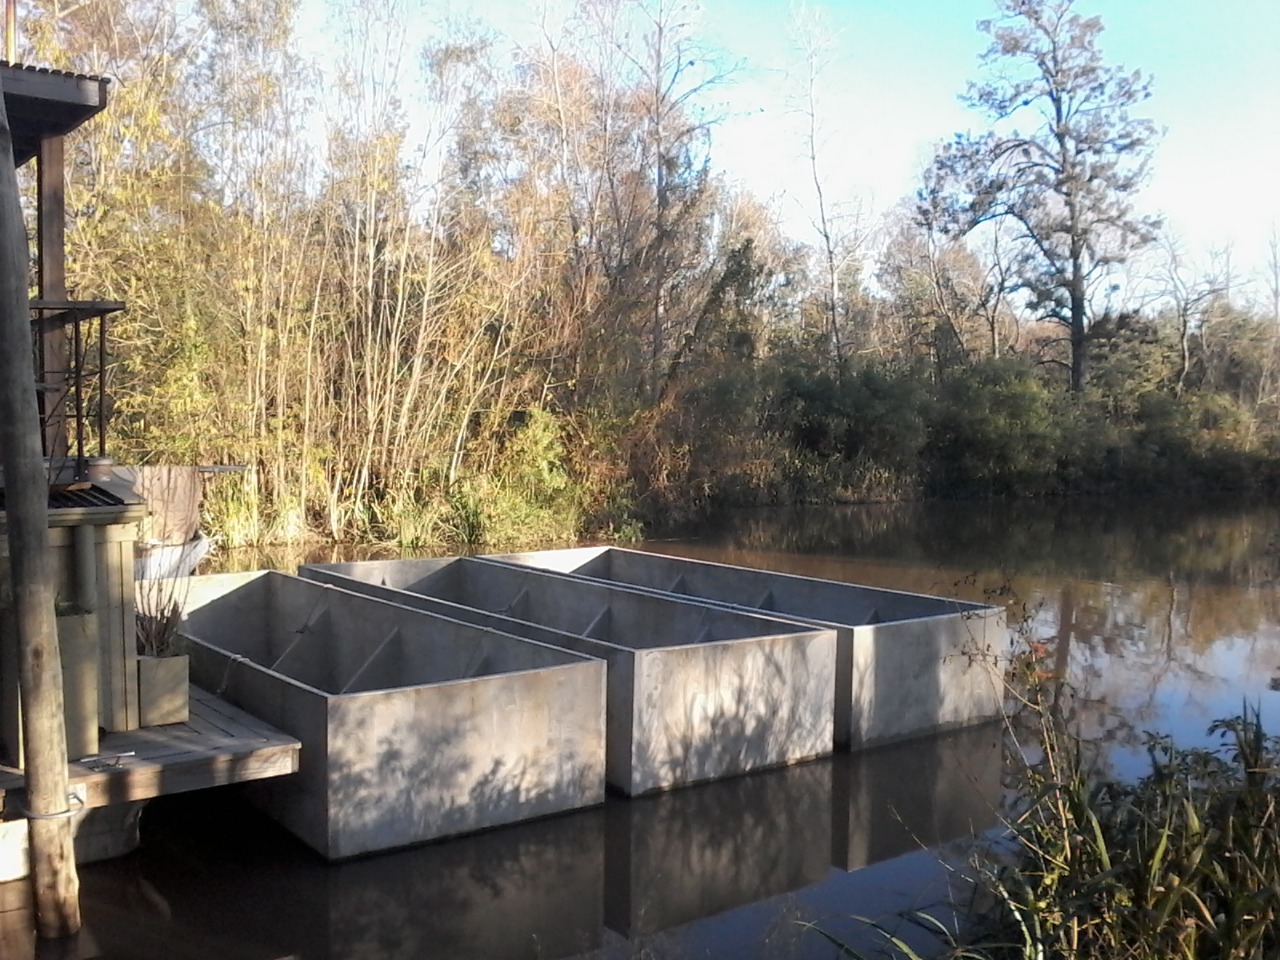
{"x": 226, "y": 674}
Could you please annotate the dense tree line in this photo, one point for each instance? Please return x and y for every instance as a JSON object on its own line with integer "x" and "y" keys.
{"x": 520, "y": 301}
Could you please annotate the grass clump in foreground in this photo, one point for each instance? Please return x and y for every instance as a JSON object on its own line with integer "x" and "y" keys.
{"x": 1184, "y": 863}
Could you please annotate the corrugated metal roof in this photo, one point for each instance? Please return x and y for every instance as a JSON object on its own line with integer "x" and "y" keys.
{"x": 31, "y": 68}
{"x": 62, "y": 499}
{"x": 43, "y": 103}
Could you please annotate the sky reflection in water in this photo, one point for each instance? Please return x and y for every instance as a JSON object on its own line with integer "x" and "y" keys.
{"x": 1162, "y": 616}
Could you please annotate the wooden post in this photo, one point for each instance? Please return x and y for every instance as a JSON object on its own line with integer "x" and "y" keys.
{"x": 52, "y": 854}
{"x": 51, "y": 251}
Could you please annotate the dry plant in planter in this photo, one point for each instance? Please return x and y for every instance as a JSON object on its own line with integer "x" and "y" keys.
{"x": 162, "y": 669}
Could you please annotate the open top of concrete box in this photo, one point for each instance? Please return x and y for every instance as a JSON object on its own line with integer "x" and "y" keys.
{"x": 603, "y": 613}
{"x": 413, "y": 726}
{"x": 695, "y": 691}
{"x": 337, "y": 642}
{"x": 806, "y": 598}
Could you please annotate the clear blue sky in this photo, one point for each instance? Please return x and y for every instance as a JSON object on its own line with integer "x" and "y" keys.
{"x": 899, "y": 65}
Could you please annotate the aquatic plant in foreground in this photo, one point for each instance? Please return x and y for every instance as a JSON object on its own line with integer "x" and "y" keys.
{"x": 1184, "y": 863}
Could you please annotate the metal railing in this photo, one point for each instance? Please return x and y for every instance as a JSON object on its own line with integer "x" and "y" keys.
{"x": 69, "y": 341}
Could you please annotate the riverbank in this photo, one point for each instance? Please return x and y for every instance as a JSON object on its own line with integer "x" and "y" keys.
{"x": 550, "y": 474}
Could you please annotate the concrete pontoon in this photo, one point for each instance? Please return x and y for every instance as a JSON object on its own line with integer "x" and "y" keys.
{"x": 908, "y": 665}
{"x": 412, "y": 726}
{"x": 696, "y": 692}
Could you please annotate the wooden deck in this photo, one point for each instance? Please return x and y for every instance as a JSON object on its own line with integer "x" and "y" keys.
{"x": 218, "y": 744}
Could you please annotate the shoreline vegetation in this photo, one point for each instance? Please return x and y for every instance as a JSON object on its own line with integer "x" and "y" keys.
{"x": 516, "y": 302}
{"x": 996, "y": 430}
{"x": 956, "y": 446}
{"x": 1182, "y": 863}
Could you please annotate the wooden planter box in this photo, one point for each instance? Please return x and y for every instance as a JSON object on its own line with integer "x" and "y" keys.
{"x": 163, "y": 696}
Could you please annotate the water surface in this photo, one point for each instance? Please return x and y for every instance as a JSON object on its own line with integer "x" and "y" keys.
{"x": 1158, "y": 616}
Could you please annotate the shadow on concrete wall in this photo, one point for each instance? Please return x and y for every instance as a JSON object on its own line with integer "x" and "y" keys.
{"x": 406, "y": 778}
{"x": 710, "y": 711}
{"x": 413, "y": 727}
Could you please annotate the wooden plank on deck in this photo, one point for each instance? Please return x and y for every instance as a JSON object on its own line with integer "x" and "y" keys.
{"x": 219, "y": 744}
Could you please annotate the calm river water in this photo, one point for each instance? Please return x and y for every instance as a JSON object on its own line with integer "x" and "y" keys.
{"x": 1162, "y": 616}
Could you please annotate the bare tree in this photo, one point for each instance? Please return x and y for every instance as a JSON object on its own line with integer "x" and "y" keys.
{"x": 674, "y": 74}
{"x": 1191, "y": 299}
{"x": 1273, "y": 274}
{"x": 1065, "y": 185}
{"x": 945, "y": 294}
{"x": 838, "y": 228}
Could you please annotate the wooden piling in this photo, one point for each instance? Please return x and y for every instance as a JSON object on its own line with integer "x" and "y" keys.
{"x": 52, "y": 854}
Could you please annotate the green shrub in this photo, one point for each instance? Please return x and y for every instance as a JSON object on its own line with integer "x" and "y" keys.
{"x": 995, "y": 432}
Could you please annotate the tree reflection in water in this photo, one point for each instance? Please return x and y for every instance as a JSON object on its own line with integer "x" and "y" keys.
{"x": 1159, "y": 615}
{"x": 1154, "y": 616}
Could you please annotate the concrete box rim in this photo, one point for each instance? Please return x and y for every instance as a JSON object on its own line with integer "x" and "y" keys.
{"x": 252, "y": 575}
{"x": 960, "y": 607}
{"x": 582, "y": 660}
{"x": 567, "y": 657}
{"x": 810, "y": 628}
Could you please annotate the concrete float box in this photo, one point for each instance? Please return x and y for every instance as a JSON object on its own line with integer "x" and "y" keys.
{"x": 412, "y": 726}
{"x": 908, "y": 665}
{"x": 696, "y": 691}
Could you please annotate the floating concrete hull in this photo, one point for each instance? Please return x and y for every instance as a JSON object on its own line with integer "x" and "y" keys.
{"x": 908, "y": 665}
{"x": 412, "y": 726}
{"x": 695, "y": 692}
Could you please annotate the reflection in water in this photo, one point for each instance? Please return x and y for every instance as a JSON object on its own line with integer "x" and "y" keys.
{"x": 688, "y": 854}
{"x": 1109, "y": 540}
{"x": 214, "y": 879}
{"x": 923, "y": 793}
{"x": 531, "y": 891}
{"x": 1156, "y": 616}
{"x": 1159, "y": 616}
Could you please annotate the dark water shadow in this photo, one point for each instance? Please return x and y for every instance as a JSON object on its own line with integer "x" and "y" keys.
{"x": 658, "y": 876}
{"x": 1218, "y": 540}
